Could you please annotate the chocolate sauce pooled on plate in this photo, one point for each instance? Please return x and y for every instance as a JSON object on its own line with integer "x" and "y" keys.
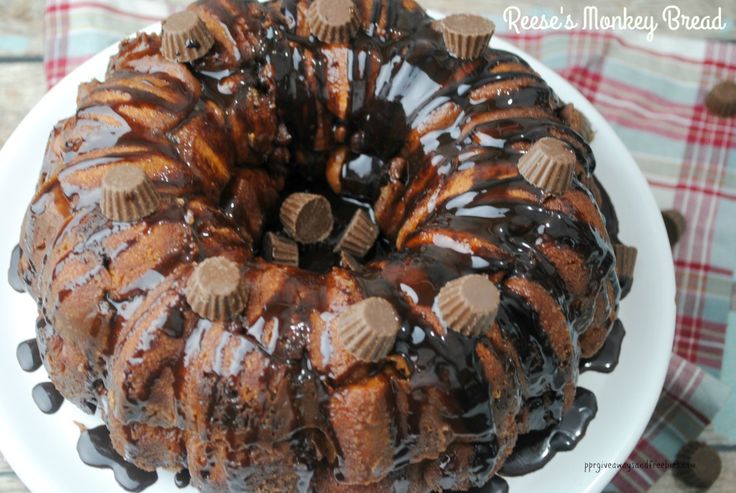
{"x": 535, "y": 449}
{"x": 14, "y": 278}
{"x": 607, "y": 358}
{"x": 28, "y": 355}
{"x": 47, "y": 398}
{"x": 95, "y": 449}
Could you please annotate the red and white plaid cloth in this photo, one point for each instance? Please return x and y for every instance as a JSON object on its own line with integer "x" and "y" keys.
{"x": 652, "y": 93}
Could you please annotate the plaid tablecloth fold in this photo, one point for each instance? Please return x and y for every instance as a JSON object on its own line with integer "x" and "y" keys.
{"x": 690, "y": 398}
{"x": 652, "y": 93}
{"x": 77, "y": 29}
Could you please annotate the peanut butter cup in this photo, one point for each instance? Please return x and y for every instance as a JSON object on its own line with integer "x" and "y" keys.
{"x": 348, "y": 261}
{"x": 721, "y": 100}
{"x": 468, "y": 304}
{"x": 368, "y": 328}
{"x": 185, "y": 37}
{"x": 359, "y": 235}
{"x": 549, "y": 164}
{"x": 467, "y": 36}
{"x": 280, "y": 250}
{"x": 699, "y": 465}
{"x": 625, "y": 261}
{"x": 333, "y": 21}
{"x": 675, "y": 224}
{"x": 306, "y": 217}
{"x": 127, "y": 194}
{"x": 216, "y": 290}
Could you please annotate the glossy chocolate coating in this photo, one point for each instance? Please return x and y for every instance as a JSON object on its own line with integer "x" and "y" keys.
{"x": 96, "y": 450}
{"x": 535, "y": 449}
{"x": 28, "y": 355}
{"x": 445, "y": 408}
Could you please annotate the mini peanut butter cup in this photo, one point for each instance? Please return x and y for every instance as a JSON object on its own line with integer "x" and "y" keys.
{"x": 349, "y": 262}
{"x": 359, "y": 235}
{"x": 216, "y": 290}
{"x": 675, "y": 224}
{"x": 280, "y": 250}
{"x": 577, "y": 122}
{"x": 368, "y": 329}
{"x": 127, "y": 194}
{"x": 468, "y": 304}
{"x": 185, "y": 37}
{"x": 698, "y": 465}
{"x": 625, "y": 264}
{"x": 549, "y": 164}
{"x": 467, "y": 36}
{"x": 333, "y": 21}
{"x": 306, "y": 217}
{"x": 721, "y": 100}
{"x": 625, "y": 261}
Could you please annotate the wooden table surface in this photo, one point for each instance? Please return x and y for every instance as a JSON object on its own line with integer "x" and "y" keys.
{"x": 22, "y": 83}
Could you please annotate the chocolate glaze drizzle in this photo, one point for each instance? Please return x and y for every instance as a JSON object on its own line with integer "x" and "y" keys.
{"x": 96, "y": 450}
{"x": 399, "y": 75}
{"x": 47, "y": 398}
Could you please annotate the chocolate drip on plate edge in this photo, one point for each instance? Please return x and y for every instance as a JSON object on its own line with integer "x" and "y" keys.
{"x": 535, "y": 449}
{"x": 28, "y": 355}
{"x": 95, "y": 449}
{"x": 47, "y": 398}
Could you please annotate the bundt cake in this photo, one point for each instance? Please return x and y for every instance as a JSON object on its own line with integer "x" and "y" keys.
{"x": 326, "y": 246}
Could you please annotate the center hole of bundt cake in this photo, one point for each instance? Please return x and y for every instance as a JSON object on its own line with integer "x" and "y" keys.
{"x": 320, "y": 255}
{"x": 357, "y": 158}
